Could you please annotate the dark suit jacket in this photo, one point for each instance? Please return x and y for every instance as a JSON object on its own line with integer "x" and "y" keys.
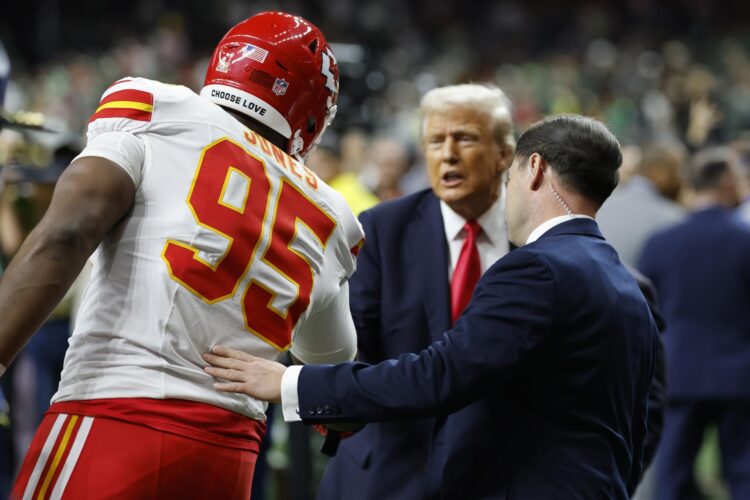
{"x": 553, "y": 356}
{"x": 657, "y": 393}
{"x": 400, "y": 302}
{"x": 701, "y": 268}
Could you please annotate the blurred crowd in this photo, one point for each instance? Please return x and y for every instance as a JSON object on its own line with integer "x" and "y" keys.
{"x": 668, "y": 78}
{"x": 666, "y": 72}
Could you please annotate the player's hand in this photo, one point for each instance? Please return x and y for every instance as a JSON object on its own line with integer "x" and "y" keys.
{"x": 246, "y": 374}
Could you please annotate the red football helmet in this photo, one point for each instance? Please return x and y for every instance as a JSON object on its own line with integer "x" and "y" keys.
{"x": 278, "y": 69}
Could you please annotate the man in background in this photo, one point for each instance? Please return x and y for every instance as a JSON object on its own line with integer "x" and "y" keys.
{"x": 326, "y": 161}
{"x": 423, "y": 256}
{"x": 390, "y": 163}
{"x": 701, "y": 269}
{"x": 645, "y": 203}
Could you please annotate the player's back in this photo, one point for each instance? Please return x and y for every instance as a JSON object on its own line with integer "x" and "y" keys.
{"x": 229, "y": 241}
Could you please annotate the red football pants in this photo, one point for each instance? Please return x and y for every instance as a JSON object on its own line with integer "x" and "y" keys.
{"x": 77, "y": 457}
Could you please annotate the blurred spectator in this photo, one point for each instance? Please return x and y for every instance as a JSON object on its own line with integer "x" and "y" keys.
{"x": 390, "y": 162}
{"x": 11, "y": 236}
{"x": 631, "y": 161}
{"x": 648, "y": 71}
{"x": 643, "y": 204}
{"x": 325, "y": 160}
{"x": 32, "y": 380}
{"x": 353, "y": 149}
{"x": 664, "y": 166}
{"x": 702, "y": 111}
{"x": 701, "y": 269}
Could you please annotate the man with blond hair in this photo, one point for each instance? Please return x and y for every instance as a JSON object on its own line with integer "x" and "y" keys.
{"x": 401, "y": 300}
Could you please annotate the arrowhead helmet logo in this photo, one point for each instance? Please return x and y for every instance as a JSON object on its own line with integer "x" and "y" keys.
{"x": 331, "y": 83}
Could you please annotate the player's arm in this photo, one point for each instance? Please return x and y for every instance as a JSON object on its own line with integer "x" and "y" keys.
{"x": 92, "y": 195}
{"x": 328, "y": 336}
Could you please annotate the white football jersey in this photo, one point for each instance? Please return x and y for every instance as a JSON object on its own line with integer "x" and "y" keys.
{"x": 229, "y": 241}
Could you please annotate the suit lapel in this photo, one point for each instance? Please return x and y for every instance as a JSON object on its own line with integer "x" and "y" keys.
{"x": 429, "y": 254}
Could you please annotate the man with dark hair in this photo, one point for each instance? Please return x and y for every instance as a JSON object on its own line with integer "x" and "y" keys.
{"x": 584, "y": 154}
{"x": 557, "y": 341}
{"x": 701, "y": 269}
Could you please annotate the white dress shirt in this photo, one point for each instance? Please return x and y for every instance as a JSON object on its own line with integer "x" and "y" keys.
{"x": 491, "y": 245}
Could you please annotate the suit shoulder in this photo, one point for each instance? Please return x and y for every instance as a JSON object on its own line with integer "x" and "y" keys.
{"x": 740, "y": 225}
{"x": 565, "y": 253}
{"x": 136, "y": 104}
{"x": 526, "y": 257}
{"x": 740, "y": 232}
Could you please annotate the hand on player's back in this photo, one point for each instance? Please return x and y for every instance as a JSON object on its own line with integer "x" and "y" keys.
{"x": 245, "y": 374}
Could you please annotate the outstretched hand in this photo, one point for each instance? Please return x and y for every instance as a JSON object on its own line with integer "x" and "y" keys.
{"x": 246, "y": 374}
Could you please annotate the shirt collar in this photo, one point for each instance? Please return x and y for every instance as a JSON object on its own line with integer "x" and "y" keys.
{"x": 492, "y": 221}
{"x": 547, "y": 225}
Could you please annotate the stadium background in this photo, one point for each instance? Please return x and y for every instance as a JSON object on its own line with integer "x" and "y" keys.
{"x": 675, "y": 72}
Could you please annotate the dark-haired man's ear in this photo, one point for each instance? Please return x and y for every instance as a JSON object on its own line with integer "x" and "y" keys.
{"x": 537, "y": 169}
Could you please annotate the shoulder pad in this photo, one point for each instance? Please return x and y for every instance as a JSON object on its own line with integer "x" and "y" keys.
{"x": 129, "y": 99}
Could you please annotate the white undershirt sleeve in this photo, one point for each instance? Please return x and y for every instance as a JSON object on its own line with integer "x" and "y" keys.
{"x": 329, "y": 336}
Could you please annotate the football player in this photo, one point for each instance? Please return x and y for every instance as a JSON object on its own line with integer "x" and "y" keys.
{"x": 208, "y": 229}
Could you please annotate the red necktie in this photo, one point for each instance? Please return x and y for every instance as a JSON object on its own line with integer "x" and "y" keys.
{"x": 467, "y": 272}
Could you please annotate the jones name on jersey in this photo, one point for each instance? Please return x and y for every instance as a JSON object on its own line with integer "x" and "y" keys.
{"x": 229, "y": 241}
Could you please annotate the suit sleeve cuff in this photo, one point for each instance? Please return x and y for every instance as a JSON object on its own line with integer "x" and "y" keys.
{"x": 289, "y": 397}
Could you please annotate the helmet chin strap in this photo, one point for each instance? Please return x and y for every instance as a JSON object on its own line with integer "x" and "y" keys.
{"x": 296, "y": 144}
